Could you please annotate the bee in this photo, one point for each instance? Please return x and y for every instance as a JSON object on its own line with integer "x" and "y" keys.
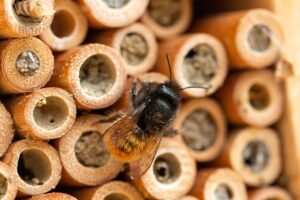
{"x": 135, "y": 136}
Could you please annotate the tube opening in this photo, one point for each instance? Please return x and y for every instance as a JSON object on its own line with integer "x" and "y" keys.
{"x": 34, "y": 167}
{"x": 256, "y": 155}
{"x": 200, "y": 65}
{"x": 199, "y": 130}
{"x": 51, "y": 113}
{"x": 30, "y": 11}
{"x": 259, "y": 38}
{"x": 97, "y": 76}
{"x": 116, "y": 196}
{"x": 3, "y": 185}
{"x": 134, "y": 48}
{"x": 166, "y": 168}
{"x": 28, "y": 63}
{"x": 115, "y": 4}
{"x": 90, "y": 150}
{"x": 223, "y": 192}
{"x": 63, "y": 24}
{"x": 259, "y": 97}
{"x": 165, "y": 13}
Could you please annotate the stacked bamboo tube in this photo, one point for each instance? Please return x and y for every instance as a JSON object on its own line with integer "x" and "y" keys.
{"x": 57, "y": 76}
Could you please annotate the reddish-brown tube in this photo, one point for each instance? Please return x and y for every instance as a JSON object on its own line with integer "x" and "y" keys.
{"x": 252, "y": 97}
{"x": 6, "y": 129}
{"x": 136, "y": 44}
{"x": 269, "y": 193}
{"x": 25, "y": 18}
{"x": 94, "y": 74}
{"x": 197, "y": 60}
{"x": 253, "y": 38}
{"x": 254, "y": 153}
{"x": 26, "y": 65}
{"x": 171, "y": 174}
{"x": 201, "y": 126}
{"x": 113, "y": 14}
{"x": 53, "y": 196}
{"x": 111, "y": 190}
{"x": 45, "y": 114}
{"x": 168, "y": 18}
{"x": 84, "y": 158}
{"x": 220, "y": 183}
{"x": 69, "y": 26}
{"x": 8, "y": 185}
{"x": 36, "y": 166}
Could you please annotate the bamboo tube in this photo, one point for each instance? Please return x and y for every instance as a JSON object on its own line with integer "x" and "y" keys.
{"x": 254, "y": 153}
{"x": 94, "y": 74}
{"x": 53, "y": 196}
{"x": 24, "y": 18}
{"x": 69, "y": 26}
{"x": 220, "y": 183}
{"x": 253, "y": 38}
{"x": 168, "y": 18}
{"x": 84, "y": 158}
{"x": 44, "y": 114}
{"x": 202, "y": 128}
{"x": 26, "y": 65}
{"x": 197, "y": 60}
{"x": 36, "y": 166}
{"x": 252, "y": 97}
{"x": 136, "y": 44}
{"x": 112, "y": 190}
{"x": 6, "y": 129}
{"x": 171, "y": 174}
{"x": 269, "y": 193}
{"x": 188, "y": 198}
{"x": 8, "y": 186}
{"x": 112, "y": 14}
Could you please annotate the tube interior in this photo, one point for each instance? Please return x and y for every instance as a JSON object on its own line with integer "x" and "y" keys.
{"x": 115, "y": 4}
{"x": 134, "y": 48}
{"x": 34, "y": 167}
{"x": 51, "y": 113}
{"x": 3, "y": 185}
{"x": 116, "y": 196}
{"x": 259, "y": 97}
{"x": 199, "y": 130}
{"x": 90, "y": 150}
{"x": 166, "y": 12}
{"x": 28, "y": 12}
{"x": 63, "y": 24}
{"x": 166, "y": 168}
{"x": 223, "y": 192}
{"x": 259, "y": 38}
{"x": 97, "y": 75}
{"x": 28, "y": 63}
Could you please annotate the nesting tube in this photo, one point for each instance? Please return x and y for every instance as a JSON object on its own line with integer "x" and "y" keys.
{"x": 6, "y": 129}
{"x": 136, "y": 44}
{"x": 269, "y": 193}
{"x": 254, "y": 153}
{"x": 52, "y": 196}
{"x": 188, "y": 198}
{"x": 172, "y": 167}
{"x": 94, "y": 74}
{"x": 253, "y": 38}
{"x": 197, "y": 60}
{"x": 36, "y": 166}
{"x": 112, "y": 14}
{"x": 24, "y": 18}
{"x": 26, "y": 65}
{"x": 84, "y": 158}
{"x": 168, "y": 18}
{"x": 252, "y": 97}
{"x": 69, "y": 26}
{"x": 218, "y": 184}
{"x": 201, "y": 126}
{"x": 8, "y": 186}
{"x": 45, "y": 114}
{"x": 111, "y": 190}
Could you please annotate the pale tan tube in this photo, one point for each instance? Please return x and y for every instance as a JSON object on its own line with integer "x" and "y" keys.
{"x": 36, "y": 166}
{"x": 253, "y": 38}
{"x": 201, "y": 126}
{"x": 136, "y": 44}
{"x": 93, "y": 73}
{"x": 84, "y": 158}
{"x": 219, "y": 183}
{"x": 112, "y": 190}
{"x": 6, "y": 129}
{"x": 197, "y": 60}
{"x": 8, "y": 184}
{"x": 25, "y": 18}
{"x": 255, "y": 154}
{"x": 69, "y": 26}
{"x": 252, "y": 98}
{"x": 171, "y": 174}
{"x": 168, "y": 18}
{"x": 52, "y": 196}
{"x": 269, "y": 193}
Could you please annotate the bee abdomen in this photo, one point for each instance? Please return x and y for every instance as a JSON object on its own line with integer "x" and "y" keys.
{"x": 133, "y": 142}
{"x": 31, "y": 8}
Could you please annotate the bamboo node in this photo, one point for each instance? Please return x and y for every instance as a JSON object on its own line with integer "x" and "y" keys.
{"x": 116, "y": 3}
{"x": 223, "y": 192}
{"x": 259, "y": 38}
{"x": 28, "y": 63}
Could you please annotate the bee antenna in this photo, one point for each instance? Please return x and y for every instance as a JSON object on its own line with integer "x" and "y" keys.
{"x": 170, "y": 67}
{"x": 194, "y": 86}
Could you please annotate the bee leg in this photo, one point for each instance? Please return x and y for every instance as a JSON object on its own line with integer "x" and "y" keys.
{"x": 138, "y": 96}
{"x": 170, "y": 132}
